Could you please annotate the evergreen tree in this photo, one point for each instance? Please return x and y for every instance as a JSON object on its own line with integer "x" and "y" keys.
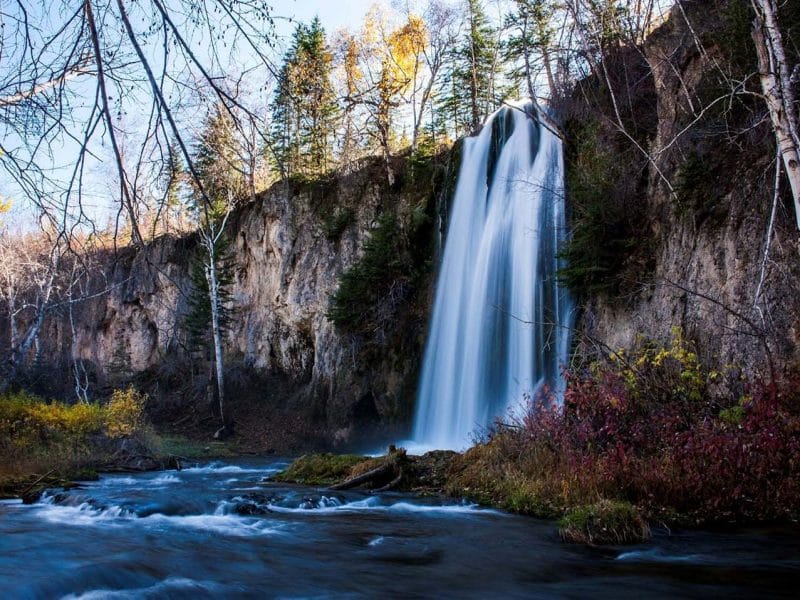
{"x": 285, "y": 126}
{"x": 198, "y": 320}
{"x": 218, "y": 166}
{"x": 174, "y": 174}
{"x": 173, "y": 177}
{"x": 529, "y": 44}
{"x": 479, "y": 57}
{"x": 304, "y": 109}
{"x": 468, "y": 85}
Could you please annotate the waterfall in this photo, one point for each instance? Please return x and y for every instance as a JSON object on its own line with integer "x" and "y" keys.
{"x": 500, "y": 323}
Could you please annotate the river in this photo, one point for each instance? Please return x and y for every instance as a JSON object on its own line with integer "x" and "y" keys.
{"x": 219, "y": 530}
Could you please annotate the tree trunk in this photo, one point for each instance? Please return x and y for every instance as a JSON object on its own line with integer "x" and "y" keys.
{"x": 213, "y": 292}
{"x": 777, "y": 87}
{"x": 473, "y": 87}
{"x": 526, "y": 53}
{"x": 12, "y": 318}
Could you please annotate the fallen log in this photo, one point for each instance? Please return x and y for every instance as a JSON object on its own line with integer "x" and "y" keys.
{"x": 38, "y": 481}
{"x": 367, "y": 477}
{"x": 392, "y": 484}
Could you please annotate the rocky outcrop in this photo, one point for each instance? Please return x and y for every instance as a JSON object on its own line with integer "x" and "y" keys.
{"x": 289, "y": 249}
{"x": 706, "y": 229}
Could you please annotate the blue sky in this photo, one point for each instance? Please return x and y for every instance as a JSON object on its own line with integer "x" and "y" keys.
{"x": 99, "y": 188}
{"x": 334, "y": 14}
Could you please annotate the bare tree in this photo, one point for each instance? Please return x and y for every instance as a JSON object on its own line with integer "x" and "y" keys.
{"x": 72, "y": 68}
{"x": 29, "y": 269}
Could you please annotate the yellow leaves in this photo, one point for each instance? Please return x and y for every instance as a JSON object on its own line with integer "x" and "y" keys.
{"x": 375, "y": 23}
{"x": 398, "y": 51}
{"x": 674, "y": 365}
{"x": 351, "y": 66}
{"x": 26, "y": 416}
{"x": 124, "y": 413}
{"x": 406, "y": 46}
{"x": 5, "y": 206}
{"x": 19, "y": 410}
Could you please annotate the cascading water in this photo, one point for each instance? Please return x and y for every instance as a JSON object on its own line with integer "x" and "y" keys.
{"x": 500, "y": 323}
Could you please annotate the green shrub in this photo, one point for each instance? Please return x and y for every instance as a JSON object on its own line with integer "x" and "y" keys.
{"x": 395, "y": 259}
{"x": 606, "y": 248}
{"x": 334, "y": 225}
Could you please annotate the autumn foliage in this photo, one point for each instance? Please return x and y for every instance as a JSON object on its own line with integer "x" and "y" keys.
{"x": 648, "y": 429}
{"x": 35, "y": 434}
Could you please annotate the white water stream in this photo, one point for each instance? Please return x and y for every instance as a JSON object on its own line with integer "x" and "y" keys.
{"x": 500, "y": 324}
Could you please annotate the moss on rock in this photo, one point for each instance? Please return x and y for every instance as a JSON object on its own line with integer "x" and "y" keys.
{"x": 605, "y": 522}
{"x": 320, "y": 469}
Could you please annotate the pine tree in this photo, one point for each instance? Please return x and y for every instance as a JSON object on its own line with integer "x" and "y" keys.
{"x": 319, "y": 107}
{"x": 285, "y": 130}
{"x": 529, "y": 44}
{"x": 304, "y": 109}
{"x": 173, "y": 178}
{"x": 467, "y": 91}
{"x": 197, "y": 321}
{"x": 480, "y": 56}
{"x": 217, "y": 165}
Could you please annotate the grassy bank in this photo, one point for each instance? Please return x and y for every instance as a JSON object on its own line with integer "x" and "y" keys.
{"x": 45, "y": 444}
{"x": 648, "y": 436}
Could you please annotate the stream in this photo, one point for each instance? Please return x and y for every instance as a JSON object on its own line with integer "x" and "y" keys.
{"x": 219, "y": 530}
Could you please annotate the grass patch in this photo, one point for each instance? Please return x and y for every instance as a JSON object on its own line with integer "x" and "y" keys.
{"x": 183, "y": 447}
{"x": 320, "y": 469}
{"x": 527, "y": 484}
{"x": 605, "y": 522}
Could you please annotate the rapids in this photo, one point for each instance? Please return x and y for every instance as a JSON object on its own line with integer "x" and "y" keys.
{"x": 220, "y": 531}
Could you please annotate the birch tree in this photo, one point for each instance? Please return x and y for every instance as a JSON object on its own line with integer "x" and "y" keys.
{"x": 777, "y": 85}
{"x": 218, "y": 189}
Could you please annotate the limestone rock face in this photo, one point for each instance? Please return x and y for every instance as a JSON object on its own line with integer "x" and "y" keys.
{"x": 707, "y": 267}
{"x": 286, "y": 266}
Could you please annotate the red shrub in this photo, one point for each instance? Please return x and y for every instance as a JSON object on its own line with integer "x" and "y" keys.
{"x": 672, "y": 450}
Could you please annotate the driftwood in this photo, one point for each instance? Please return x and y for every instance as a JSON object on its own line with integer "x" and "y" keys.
{"x": 392, "y": 467}
{"x": 367, "y": 477}
{"x": 38, "y": 481}
{"x": 392, "y": 484}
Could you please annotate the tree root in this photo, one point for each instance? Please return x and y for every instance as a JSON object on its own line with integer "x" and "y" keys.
{"x": 392, "y": 484}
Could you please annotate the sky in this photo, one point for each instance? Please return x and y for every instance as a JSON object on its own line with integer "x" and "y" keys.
{"x": 334, "y": 14}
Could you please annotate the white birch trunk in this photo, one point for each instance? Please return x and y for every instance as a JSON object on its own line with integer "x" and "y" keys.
{"x": 777, "y": 87}
{"x": 213, "y": 292}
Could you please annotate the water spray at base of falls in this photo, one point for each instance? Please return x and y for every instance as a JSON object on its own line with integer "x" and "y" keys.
{"x": 500, "y": 324}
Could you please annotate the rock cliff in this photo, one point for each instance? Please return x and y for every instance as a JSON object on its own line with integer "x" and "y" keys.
{"x": 288, "y": 251}
{"x": 706, "y": 199}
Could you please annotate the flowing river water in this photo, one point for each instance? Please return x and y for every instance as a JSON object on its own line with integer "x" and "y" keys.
{"x": 220, "y": 530}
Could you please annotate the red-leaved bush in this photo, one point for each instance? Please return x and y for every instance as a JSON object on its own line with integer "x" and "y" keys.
{"x": 652, "y": 427}
{"x": 673, "y": 457}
